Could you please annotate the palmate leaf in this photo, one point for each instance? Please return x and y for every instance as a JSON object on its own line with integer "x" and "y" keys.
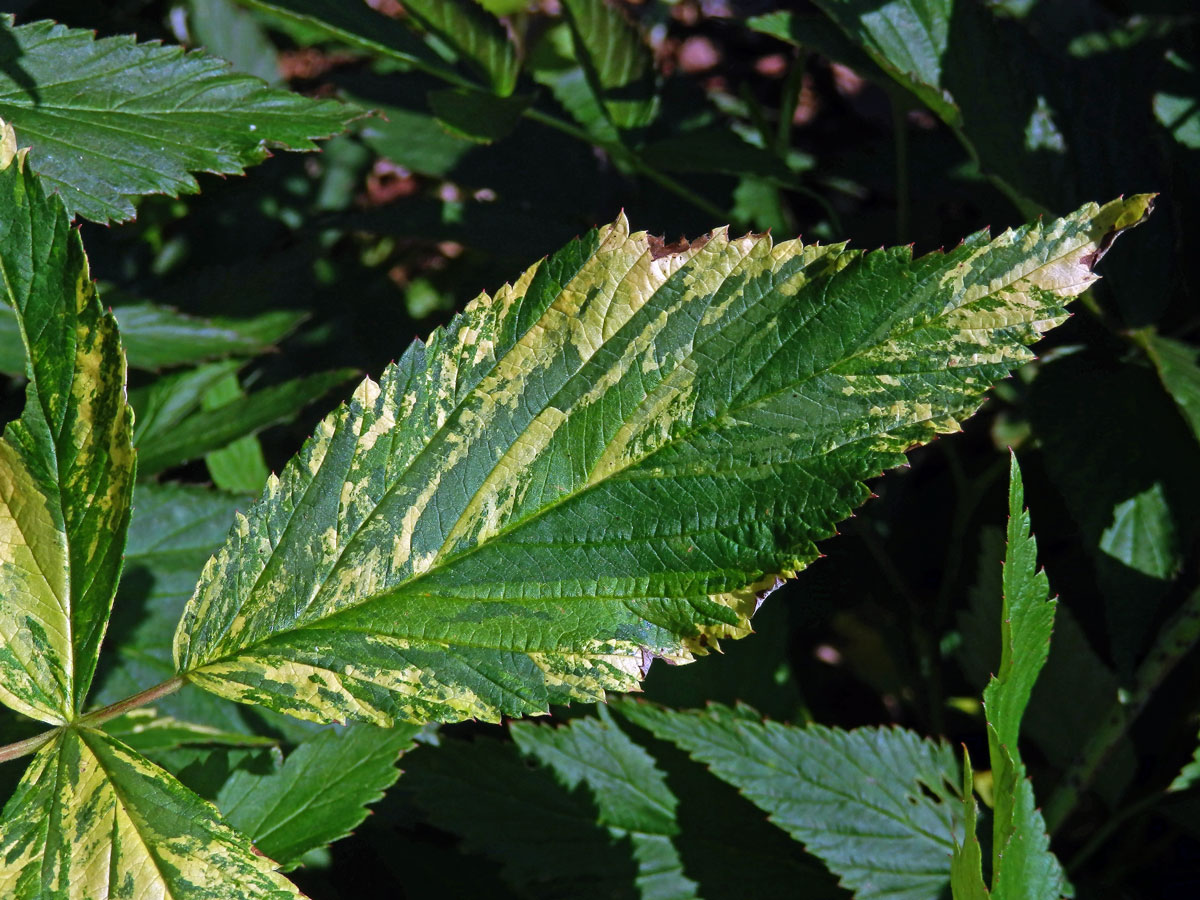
{"x": 102, "y": 139}
{"x": 92, "y": 818}
{"x": 67, "y": 465}
{"x": 877, "y": 805}
{"x": 610, "y": 460}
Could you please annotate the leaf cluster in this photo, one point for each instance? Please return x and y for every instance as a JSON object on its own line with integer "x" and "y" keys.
{"x": 234, "y": 608}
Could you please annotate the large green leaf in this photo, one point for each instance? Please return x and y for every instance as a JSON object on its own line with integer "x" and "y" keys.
{"x": 877, "y": 805}
{"x": 67, "y": 465}
{"x": 319, "y": 792}
{"x": 102, "y": 139}
{"x": 545, "y": 838}
{"x": 610, "y": 460}
{"x": 92, "y": 818}
{"x": 630, "y": 791}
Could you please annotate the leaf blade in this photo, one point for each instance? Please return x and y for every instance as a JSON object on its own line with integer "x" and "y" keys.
{"x": 103, "y": 140}
{"x": 67, "y": 464}
{"x": 643, "y": 366}
{"x": 91, "y": 815}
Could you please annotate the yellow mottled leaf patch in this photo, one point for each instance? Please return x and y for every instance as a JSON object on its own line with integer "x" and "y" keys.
{"x": 93, "y": 820}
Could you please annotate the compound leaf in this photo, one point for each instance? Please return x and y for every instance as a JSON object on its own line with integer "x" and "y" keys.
{"x": 319, "y": 792}
{"x": 92, "y": 818}
{"x": 102, "y": 139}
{"x": 878, "y": 805}
{"x": 611, "y": 459}
{"x": 67, "y": 465}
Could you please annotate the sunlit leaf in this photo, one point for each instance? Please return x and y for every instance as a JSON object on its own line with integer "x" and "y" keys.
{"x": 67, "y": 465}
{"x": 92, "y": 818}
{"x": 610, "y": 460}
{"x": 101, "y": 139}
{"x": 616, "y": 62}
{"x": 474, "y": 34}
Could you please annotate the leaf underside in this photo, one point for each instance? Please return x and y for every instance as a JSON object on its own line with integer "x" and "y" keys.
{"x": 101, "y": 138}
{"x": 612, "y": 459}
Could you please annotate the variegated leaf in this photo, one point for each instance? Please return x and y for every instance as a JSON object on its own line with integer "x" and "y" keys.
{"x": 93, "y": 819}
{"x": 67, "y": 465}
{"x": 611, "y": 459}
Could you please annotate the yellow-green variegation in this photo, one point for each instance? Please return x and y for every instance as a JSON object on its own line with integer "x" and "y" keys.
{"x": 93, "y": 820}
{"x": 609, "y": 460}
{"x": 66, "y": 466}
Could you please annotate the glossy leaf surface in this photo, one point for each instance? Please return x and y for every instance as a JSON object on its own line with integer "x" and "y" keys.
{"x": 609, "y": 460}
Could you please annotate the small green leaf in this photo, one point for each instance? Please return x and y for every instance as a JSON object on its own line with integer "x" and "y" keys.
{"x": 966, "y": 866}
{"x": 102, "y": 139}
{"x": 318, "y": 794}
{"x": 618, "y": 64}
{"x": 1142, "y": 534}
{"x": 147, "y": 732}
{"x": 1178, "y": 366}
{"x": 1022, "y": 864}
{"x": 630, "y": 792}
{"x": 67, "y": 465}
{"x": 879, "y": 806}
{"x": 202, "y": 432}
{"x": 474, "y": 34}
{"x": 610, "y": 460}
{"x": 240, "y": 466}
{"x": 1177, "y": 105}
{"x": 92, "y": 818}
{"x": 1189, "y": 775}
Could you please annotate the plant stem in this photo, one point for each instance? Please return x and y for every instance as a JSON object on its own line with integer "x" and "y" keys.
{"x": 1175, "y": 639}
{"x": 94, "y": 718}
{"x": 27, "y": 746}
